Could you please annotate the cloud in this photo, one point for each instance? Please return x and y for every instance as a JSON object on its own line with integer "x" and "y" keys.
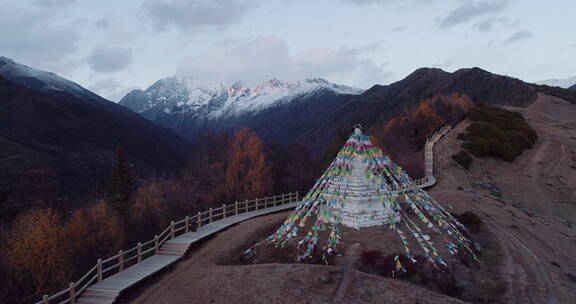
{"x": 398, "y": 29}
{"x": 54, "y": 3}
{"x": 369, "y": 2}
{"x": 102, "y": 23}
{"x": 518, "y": 36}
{"x": 492, "y": 23}
{"x": 443, "y": 65}
{"x": 109, "y": 59}
{"x": 257, "y": 60}
{"x": 34, "y": 37}
{"x": 192, "y": 15}
{"x": 471, "y": 10}
{"x": 110, "y": 89}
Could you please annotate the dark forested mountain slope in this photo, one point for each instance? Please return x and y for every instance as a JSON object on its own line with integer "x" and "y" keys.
{"x": 379, "y": 104}
{"x": 64, "y": 144}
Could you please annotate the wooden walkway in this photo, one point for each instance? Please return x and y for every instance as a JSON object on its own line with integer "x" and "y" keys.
{"x": 172, "y": 250}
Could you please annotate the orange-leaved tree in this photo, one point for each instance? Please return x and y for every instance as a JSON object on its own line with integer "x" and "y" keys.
{"x": 248, "y": 174}
{"x": 38, "y": 252}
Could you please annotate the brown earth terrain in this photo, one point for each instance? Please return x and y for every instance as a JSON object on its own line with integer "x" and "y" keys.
{"x": 528, "y": 240}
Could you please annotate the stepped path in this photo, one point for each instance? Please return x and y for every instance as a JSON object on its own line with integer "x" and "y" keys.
{"x": 111, "y": 276}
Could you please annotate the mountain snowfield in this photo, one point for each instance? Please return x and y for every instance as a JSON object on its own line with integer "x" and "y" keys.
{"x": 563, "y": 83}
{"x": 186, "y": 95}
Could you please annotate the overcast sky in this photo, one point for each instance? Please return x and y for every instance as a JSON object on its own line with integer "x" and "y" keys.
{"x": 114, "y": 46}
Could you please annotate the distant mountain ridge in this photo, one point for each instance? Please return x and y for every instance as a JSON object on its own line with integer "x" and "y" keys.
{"x": 190, "y": 106}
{"x": 49, "y": 83}
{"x": 572, "y": 88}
{"x": 563, "y": 83}
{"x": 50, "y": 124}
{"x": 382, "y": 103}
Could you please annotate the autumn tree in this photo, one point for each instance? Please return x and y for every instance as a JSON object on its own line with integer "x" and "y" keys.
{"x": 37, "y": 251}
{"x": 293, "y": 168}
{"x": 152, "y": 210}
{"x": 79, "y": 233}
{"x": 121, "y": 184}
{"x": 248, "y": 174}
{"x": 107, "y": 233}
{"x": 204, "y": 177}
{"x": 337, "y": 142}
{"x": 3, "y": 265}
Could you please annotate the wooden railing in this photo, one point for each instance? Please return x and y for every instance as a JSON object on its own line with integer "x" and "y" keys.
{"x": 428, "y": 180}
{"x": 126, "y": 258}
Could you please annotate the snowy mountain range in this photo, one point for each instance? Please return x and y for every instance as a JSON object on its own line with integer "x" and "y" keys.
{"x": 189, "y": 106}
{"x": 563, "y": 83}
{"x": 184, "y": 95}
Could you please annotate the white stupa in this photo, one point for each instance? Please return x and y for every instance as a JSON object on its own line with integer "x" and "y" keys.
{"x": 362, "y": 206}
{"x": 363, "y": 188}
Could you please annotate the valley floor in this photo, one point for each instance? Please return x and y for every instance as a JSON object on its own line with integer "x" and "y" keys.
{"x": 531, "y": 225}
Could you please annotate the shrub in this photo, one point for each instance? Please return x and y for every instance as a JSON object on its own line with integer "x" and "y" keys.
{"x": 495, "y": 132}
{"x": 470, "y": 220}
{"x": 463, "y": 158}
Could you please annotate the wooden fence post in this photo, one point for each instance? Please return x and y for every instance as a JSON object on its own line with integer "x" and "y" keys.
{"x": 99, "y": 267}
{"x": 199, "y": 219}
{"x": 297, "y": 196}
{"x": 156, "y": 247}
{"x": 171, "y": 229}
{"x": 72, "y": 294}
{"x": 45, "y": 299}
{"x": 210, "y": 215}
{"x": 236, "y": 208}
{"x": 186, "y": 223}
{"x": 246, "y": 206}
{"x": 223, "y": 210}
{"x": 139, "y": 252}
{"x": 266, "y": 202}
{"x": 256, "y": 204}
{"x": 120, "y": 260}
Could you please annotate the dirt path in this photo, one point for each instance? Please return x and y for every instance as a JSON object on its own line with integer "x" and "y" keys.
{"x": 538, "y": 198}
{"x": 348, "y": 271}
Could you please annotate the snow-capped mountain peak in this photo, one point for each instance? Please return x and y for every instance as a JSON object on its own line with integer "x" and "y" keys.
{"x": 563, "y": 83}
{"x": 191, "y": 96}
{"x": 190, "y": 106}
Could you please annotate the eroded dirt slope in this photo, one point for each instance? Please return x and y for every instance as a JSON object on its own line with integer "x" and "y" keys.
{"x": 535, "y": 214}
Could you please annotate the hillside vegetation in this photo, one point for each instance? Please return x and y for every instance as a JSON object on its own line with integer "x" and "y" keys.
{"x": 495, "y": 132}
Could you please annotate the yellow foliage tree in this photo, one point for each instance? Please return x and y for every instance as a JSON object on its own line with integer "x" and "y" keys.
{"x": 247, "y": 173}
{"x": 108, "y": 234}
{"x": 37, "y": 250}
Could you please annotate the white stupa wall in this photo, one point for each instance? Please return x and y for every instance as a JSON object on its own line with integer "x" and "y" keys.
{"x": 362, "y": 207}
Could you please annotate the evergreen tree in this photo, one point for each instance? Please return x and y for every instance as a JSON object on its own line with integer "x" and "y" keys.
{"x": 121, "y": 184}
